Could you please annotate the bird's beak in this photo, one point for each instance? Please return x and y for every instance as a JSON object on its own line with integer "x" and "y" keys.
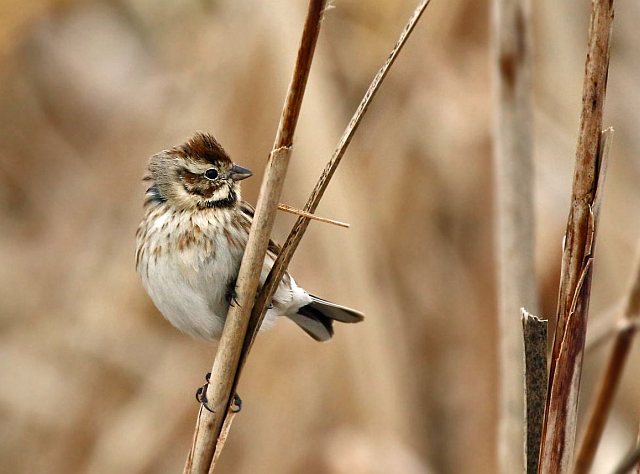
{"x": 239, "y": 173}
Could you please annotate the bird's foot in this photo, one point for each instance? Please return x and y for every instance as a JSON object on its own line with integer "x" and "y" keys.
{"x": 201, "y": 393}
{"x": 236, "y": 404}
{"x": 231, "y": 295}
{"x": 201, "y": 397}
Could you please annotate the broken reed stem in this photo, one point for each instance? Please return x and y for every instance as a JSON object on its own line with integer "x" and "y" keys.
{"x": 308, "y": 215}
{"x": 225, "y": 365}
{"x": 535, "y": 375}
{"x": 559, "y": 432}
{"x": 610, "y": 379}
{"x": 514, "y": 226}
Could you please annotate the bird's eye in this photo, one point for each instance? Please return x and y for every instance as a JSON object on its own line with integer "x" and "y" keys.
{"x": 211, "y": 174}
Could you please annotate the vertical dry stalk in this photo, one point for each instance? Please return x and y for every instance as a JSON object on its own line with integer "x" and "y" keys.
{"x": 225, "y": 366}
{"x": 558, "y": 438}
{"x": 513, "y": 164}
{"x": 611, "y": 376}
{"x": 559, "y": 431}
{"x": 558, "y": 441}
{"x": 535, "y": 376}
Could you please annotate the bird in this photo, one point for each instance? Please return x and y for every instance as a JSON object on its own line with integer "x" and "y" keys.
{"x": 191, "y": 240}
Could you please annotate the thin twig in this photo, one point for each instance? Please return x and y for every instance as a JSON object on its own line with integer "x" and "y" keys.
{"x": 535, "y": 376}
{"x": 225, "y": 365}
{"x": 611, "y": 375}
{"x": 222, "y": 438}
{"x": 308, "y": 215}
{"x": 513, "y": 168}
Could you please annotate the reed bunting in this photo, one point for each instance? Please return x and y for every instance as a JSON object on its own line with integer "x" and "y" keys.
{"x": 192, "y": 238}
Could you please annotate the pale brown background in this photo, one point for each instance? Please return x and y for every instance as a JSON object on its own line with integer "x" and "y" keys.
{"x": 92, "y": 379}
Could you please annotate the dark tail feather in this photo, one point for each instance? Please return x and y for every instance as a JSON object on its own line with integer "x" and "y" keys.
{"x": 335, "y": 311}
{"x": 314, "y": 323}
{"x": 316, "y": 318}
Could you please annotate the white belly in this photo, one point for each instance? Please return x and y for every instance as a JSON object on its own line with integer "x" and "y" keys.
{"x": 190, "y": 293}
{"x": 189, "y": 286}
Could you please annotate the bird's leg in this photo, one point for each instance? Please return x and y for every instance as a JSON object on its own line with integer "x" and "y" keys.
{"x": 201, "y": 397}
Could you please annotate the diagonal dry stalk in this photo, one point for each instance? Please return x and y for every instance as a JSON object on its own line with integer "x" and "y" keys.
{"x": 611, "y": 375}
{"x": 301, "y": 224}
{"x": 308, "y": 215}
{"x": 209, "y": 423}
{"x": 514, "y": 226}
{"x": 558, "y": 438}
{"x": 261, "y": 302}
{"x": 299, "y": 228}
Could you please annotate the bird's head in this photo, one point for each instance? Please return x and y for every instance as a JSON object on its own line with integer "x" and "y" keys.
{"x": 196, "y": 175}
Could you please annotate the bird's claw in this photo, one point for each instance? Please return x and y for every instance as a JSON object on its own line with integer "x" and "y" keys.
{"x": 201, "y": 397}
{"x": 236, "y": 404}
{"x": 201, "y": 393}
{"x": 232, "y": 297}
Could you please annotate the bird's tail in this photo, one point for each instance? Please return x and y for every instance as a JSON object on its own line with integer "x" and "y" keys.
{"x": 316, "y": 318}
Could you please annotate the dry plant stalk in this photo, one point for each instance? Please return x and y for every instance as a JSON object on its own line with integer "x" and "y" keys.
{"x": 559, "y": 432}
{"x": 535, "y": 376}
{"x": 299, "y": 228}
{"x": 558, "y": 439}
{"x": 513, "y": 165}
{"x": 610, "y": 379}
{"x": 308, "y": 215}
{"x": 219, "y": 391}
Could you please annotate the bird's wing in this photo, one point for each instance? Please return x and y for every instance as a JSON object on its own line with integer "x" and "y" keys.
{"x": 248, "y": 210}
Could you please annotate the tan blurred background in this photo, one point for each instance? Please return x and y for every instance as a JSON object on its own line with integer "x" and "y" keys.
{"x": 92, "y": 379}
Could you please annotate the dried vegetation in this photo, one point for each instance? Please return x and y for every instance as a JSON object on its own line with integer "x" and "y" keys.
{"x": 92, "y": 379}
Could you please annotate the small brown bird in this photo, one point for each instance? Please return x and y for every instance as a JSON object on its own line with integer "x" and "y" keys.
{"x": 191, "y": 241}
